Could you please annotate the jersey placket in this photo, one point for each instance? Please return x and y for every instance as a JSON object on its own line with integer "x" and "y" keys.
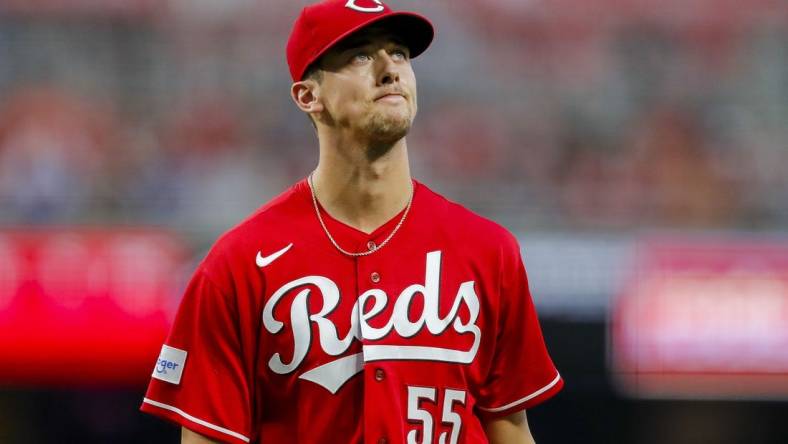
{"x": 371, "y": 274}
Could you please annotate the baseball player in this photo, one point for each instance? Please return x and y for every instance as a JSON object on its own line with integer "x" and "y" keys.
{"x": 359, "y": 305}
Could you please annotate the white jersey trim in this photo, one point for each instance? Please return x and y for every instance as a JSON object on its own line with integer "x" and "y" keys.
{"x": 527, "y": 398}
{"x": 196, "y": 420}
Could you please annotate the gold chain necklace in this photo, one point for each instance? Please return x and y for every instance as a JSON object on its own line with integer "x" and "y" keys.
{"x": 331, "y": 238}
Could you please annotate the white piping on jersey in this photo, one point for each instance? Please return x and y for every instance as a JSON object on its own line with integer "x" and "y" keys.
{"x": 522, "y": 400}
{"x": 196, "y": 420}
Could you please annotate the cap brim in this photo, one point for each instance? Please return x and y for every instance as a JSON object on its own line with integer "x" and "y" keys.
{"x": 415, "y": 30}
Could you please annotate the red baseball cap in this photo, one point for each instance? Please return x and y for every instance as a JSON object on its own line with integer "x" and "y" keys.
{"x": 322, "y": 25}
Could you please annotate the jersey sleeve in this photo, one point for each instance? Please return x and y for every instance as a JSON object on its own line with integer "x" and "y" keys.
{"x": 522, "y": 374}
{"x": 201, "y": 380}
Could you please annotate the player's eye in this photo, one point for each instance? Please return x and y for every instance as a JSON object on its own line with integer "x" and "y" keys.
{"x": 399, "y": 54}
{"x": 360, "y": 57}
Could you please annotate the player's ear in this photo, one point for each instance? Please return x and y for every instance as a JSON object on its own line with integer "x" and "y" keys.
{"x": 306, "y": 95}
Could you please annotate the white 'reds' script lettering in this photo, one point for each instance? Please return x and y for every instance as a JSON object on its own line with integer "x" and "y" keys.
{"x": 335, "y": 373}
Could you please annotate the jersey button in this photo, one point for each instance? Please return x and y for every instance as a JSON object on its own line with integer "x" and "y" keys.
{"x": 383, "y": 441}
{"x": 379, "y": 376}
{"x": 375, "y": 276}
{"x": 371, "y": 245}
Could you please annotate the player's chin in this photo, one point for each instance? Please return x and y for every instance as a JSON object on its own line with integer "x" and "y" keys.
{"x": 395, "y": 116}
{"x": 387, "y": 128}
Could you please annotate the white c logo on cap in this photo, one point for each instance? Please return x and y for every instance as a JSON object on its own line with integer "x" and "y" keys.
{"x": 352, "y": 5}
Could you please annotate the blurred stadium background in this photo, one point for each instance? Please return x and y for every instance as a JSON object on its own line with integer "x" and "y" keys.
{"x": 638, "y": 148}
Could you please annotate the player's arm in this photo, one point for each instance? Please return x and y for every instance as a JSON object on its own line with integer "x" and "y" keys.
{"x": 512, "y": 429}
{"x": 189, "y": 437}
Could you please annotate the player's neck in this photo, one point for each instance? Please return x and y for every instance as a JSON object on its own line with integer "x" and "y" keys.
{"x": 362, "y": 190}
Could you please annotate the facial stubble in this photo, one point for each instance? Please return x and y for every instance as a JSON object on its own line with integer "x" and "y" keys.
{"x": 384, "y": 129}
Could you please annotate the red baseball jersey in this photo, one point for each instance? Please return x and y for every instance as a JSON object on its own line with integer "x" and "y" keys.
{"x": 282, "y": 338}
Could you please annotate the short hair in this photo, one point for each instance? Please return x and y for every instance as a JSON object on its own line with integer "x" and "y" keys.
{"x": 314, "y": 72}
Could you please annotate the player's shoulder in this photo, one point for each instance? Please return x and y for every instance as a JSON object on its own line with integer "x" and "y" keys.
{"x": 462, "y": 223}
{"x": 283, "y": 212}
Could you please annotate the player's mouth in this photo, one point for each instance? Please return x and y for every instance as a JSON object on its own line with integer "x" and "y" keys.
{"x": 391, "y": 98}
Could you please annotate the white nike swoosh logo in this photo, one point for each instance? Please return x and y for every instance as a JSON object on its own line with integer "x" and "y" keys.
{"x": 263, "y": 261}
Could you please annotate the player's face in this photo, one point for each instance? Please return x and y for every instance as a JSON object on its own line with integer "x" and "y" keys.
{"x": 368, "y": 87}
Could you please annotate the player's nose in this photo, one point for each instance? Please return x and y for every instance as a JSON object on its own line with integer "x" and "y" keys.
{"x": 387, "y": 70}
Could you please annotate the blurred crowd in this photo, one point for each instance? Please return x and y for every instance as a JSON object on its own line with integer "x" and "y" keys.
{"x": 562, "y": 115}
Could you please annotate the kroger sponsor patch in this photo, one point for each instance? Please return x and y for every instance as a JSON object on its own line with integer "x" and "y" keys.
{"x": 169, "y": 366}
